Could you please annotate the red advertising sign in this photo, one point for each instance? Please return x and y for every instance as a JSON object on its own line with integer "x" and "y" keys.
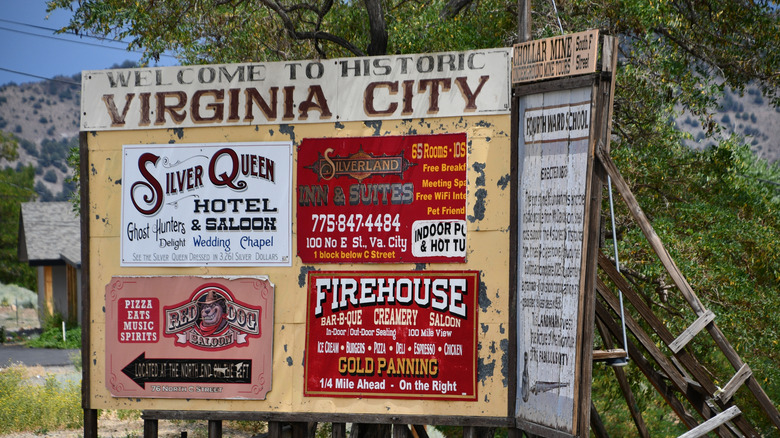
{"x": 189, "y": 337}
{"x": 392, "y": 334}
{"x": 397, "y": 199}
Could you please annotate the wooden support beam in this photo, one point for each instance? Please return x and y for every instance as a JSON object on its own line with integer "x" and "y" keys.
{"x": 712, "y": 424}
{"x": 702, "y": 379}
{"x": 691, "y": 332}
{"x": 215, "y": 429}
{"x": 338, "y": 430}
{"x": 602, "y": 355}
{"x": 625, "y": 387}
{"x": 90, "y": 423}
{"x": 667, "y": 367}
{"x": 401, "y": 431}
{"x": 659, "y": 381}
{"x": 647, "y": 229}
{"x": 691, "y": 364}
{"x": 419, "y": 431}
{"x": 647, "y": 342}
{"x": 682, "y": 284}
{"x": 150, "y": 428}
{"x": 596, "y": 424}
{"x": 734, "y": 384}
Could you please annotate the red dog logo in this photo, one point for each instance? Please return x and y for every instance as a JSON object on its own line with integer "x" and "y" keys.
{"x": 212, "y": 320}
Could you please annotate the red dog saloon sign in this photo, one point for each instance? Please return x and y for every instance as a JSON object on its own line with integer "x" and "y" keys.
{"x": 189, "y": 337}
{"x": 396, "y": 199}
{"x": 392, "y": 335}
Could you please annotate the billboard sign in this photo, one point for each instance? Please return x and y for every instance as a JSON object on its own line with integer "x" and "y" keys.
{"x": 216, "y": 204}
{"x": 555, "y": 133}
{"x": 448, "y": 84}
{"x": 559, "y": 56}
{"x": 391, "y": 334}
{"x": 204, "y": 337}
{"x": 396, "y": 199}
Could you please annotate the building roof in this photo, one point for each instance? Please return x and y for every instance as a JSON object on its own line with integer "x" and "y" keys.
{"x": 49, "y": 233}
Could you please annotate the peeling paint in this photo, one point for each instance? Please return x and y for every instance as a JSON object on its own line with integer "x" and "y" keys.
{"x": 504, "y": 344}
{"x": 479, "y": 206}
{"x": 504, "y": 181}
{"x": 289, "y": 361}
{"x": 492, "y": 347}
{"x": 485, "y": 370}
{"x": 285, "y": 348}
{"x": 484, "y": 301}
{"x": 484, "y": 327}
{"x": 118, "y": 182}
{"x": 289, "y": 130}
{"x": 302, "y": 276}
{"x": 483, "y": 124}
{"x": 419, "y": 266}
{"x": 339, "y": 125}
{"x": 179, "y": 132}
{"x": 501, "y": 329}
{"x": 94, "y": 171}
{"x": 480, "y": 169}
{"x": 376, "y": 125}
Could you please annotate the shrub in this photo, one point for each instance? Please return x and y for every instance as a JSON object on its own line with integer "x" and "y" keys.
{"x": 52, "y": 338}
{"x": 50, "y": 176}
{"x": 25, "y": 406}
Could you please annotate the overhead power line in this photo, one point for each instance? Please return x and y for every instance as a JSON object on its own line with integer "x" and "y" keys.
{"x": 71, "y": 40}
{"x": 66, "y": 40}
{"x": 53, "y": 30}
{"x": 65, "y": 81}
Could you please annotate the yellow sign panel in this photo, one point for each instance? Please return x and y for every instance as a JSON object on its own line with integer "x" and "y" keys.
{"x": 415, "y": 95}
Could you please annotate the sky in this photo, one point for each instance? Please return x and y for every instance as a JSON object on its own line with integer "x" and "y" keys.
{"x": 29, "y": 45}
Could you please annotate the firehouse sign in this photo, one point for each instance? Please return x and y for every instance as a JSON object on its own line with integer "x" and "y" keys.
{"x": 382, "y": 199}
{"x": 392, "y": 334}
{"x": 207, "y": 338}
{"x": 383, "y": 87}
{"x": 206, "y": 205}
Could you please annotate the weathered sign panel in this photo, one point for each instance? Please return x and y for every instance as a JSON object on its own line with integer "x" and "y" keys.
{"x": 554, "y": 143}
{"x": 382, "y": 199}
{"x": 219, "y": 204}
{"x": 408, "y": 335}
{"x": 559, "y": 56}
{"x": 351, "y": 89}
{"x": 197, "y": 118}
{"x": 205, "y": 338}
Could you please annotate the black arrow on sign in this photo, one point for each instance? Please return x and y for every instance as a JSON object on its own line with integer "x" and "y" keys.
{"x": 142, "y": 370}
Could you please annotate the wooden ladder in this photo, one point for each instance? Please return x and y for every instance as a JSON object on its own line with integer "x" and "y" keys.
{"x": 678, "y": 374}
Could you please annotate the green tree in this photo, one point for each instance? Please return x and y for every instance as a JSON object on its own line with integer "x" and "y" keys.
{"x": 15, "y": 188}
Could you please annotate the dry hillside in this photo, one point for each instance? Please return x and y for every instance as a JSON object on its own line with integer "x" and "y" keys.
{"x": 45, "y": 115}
